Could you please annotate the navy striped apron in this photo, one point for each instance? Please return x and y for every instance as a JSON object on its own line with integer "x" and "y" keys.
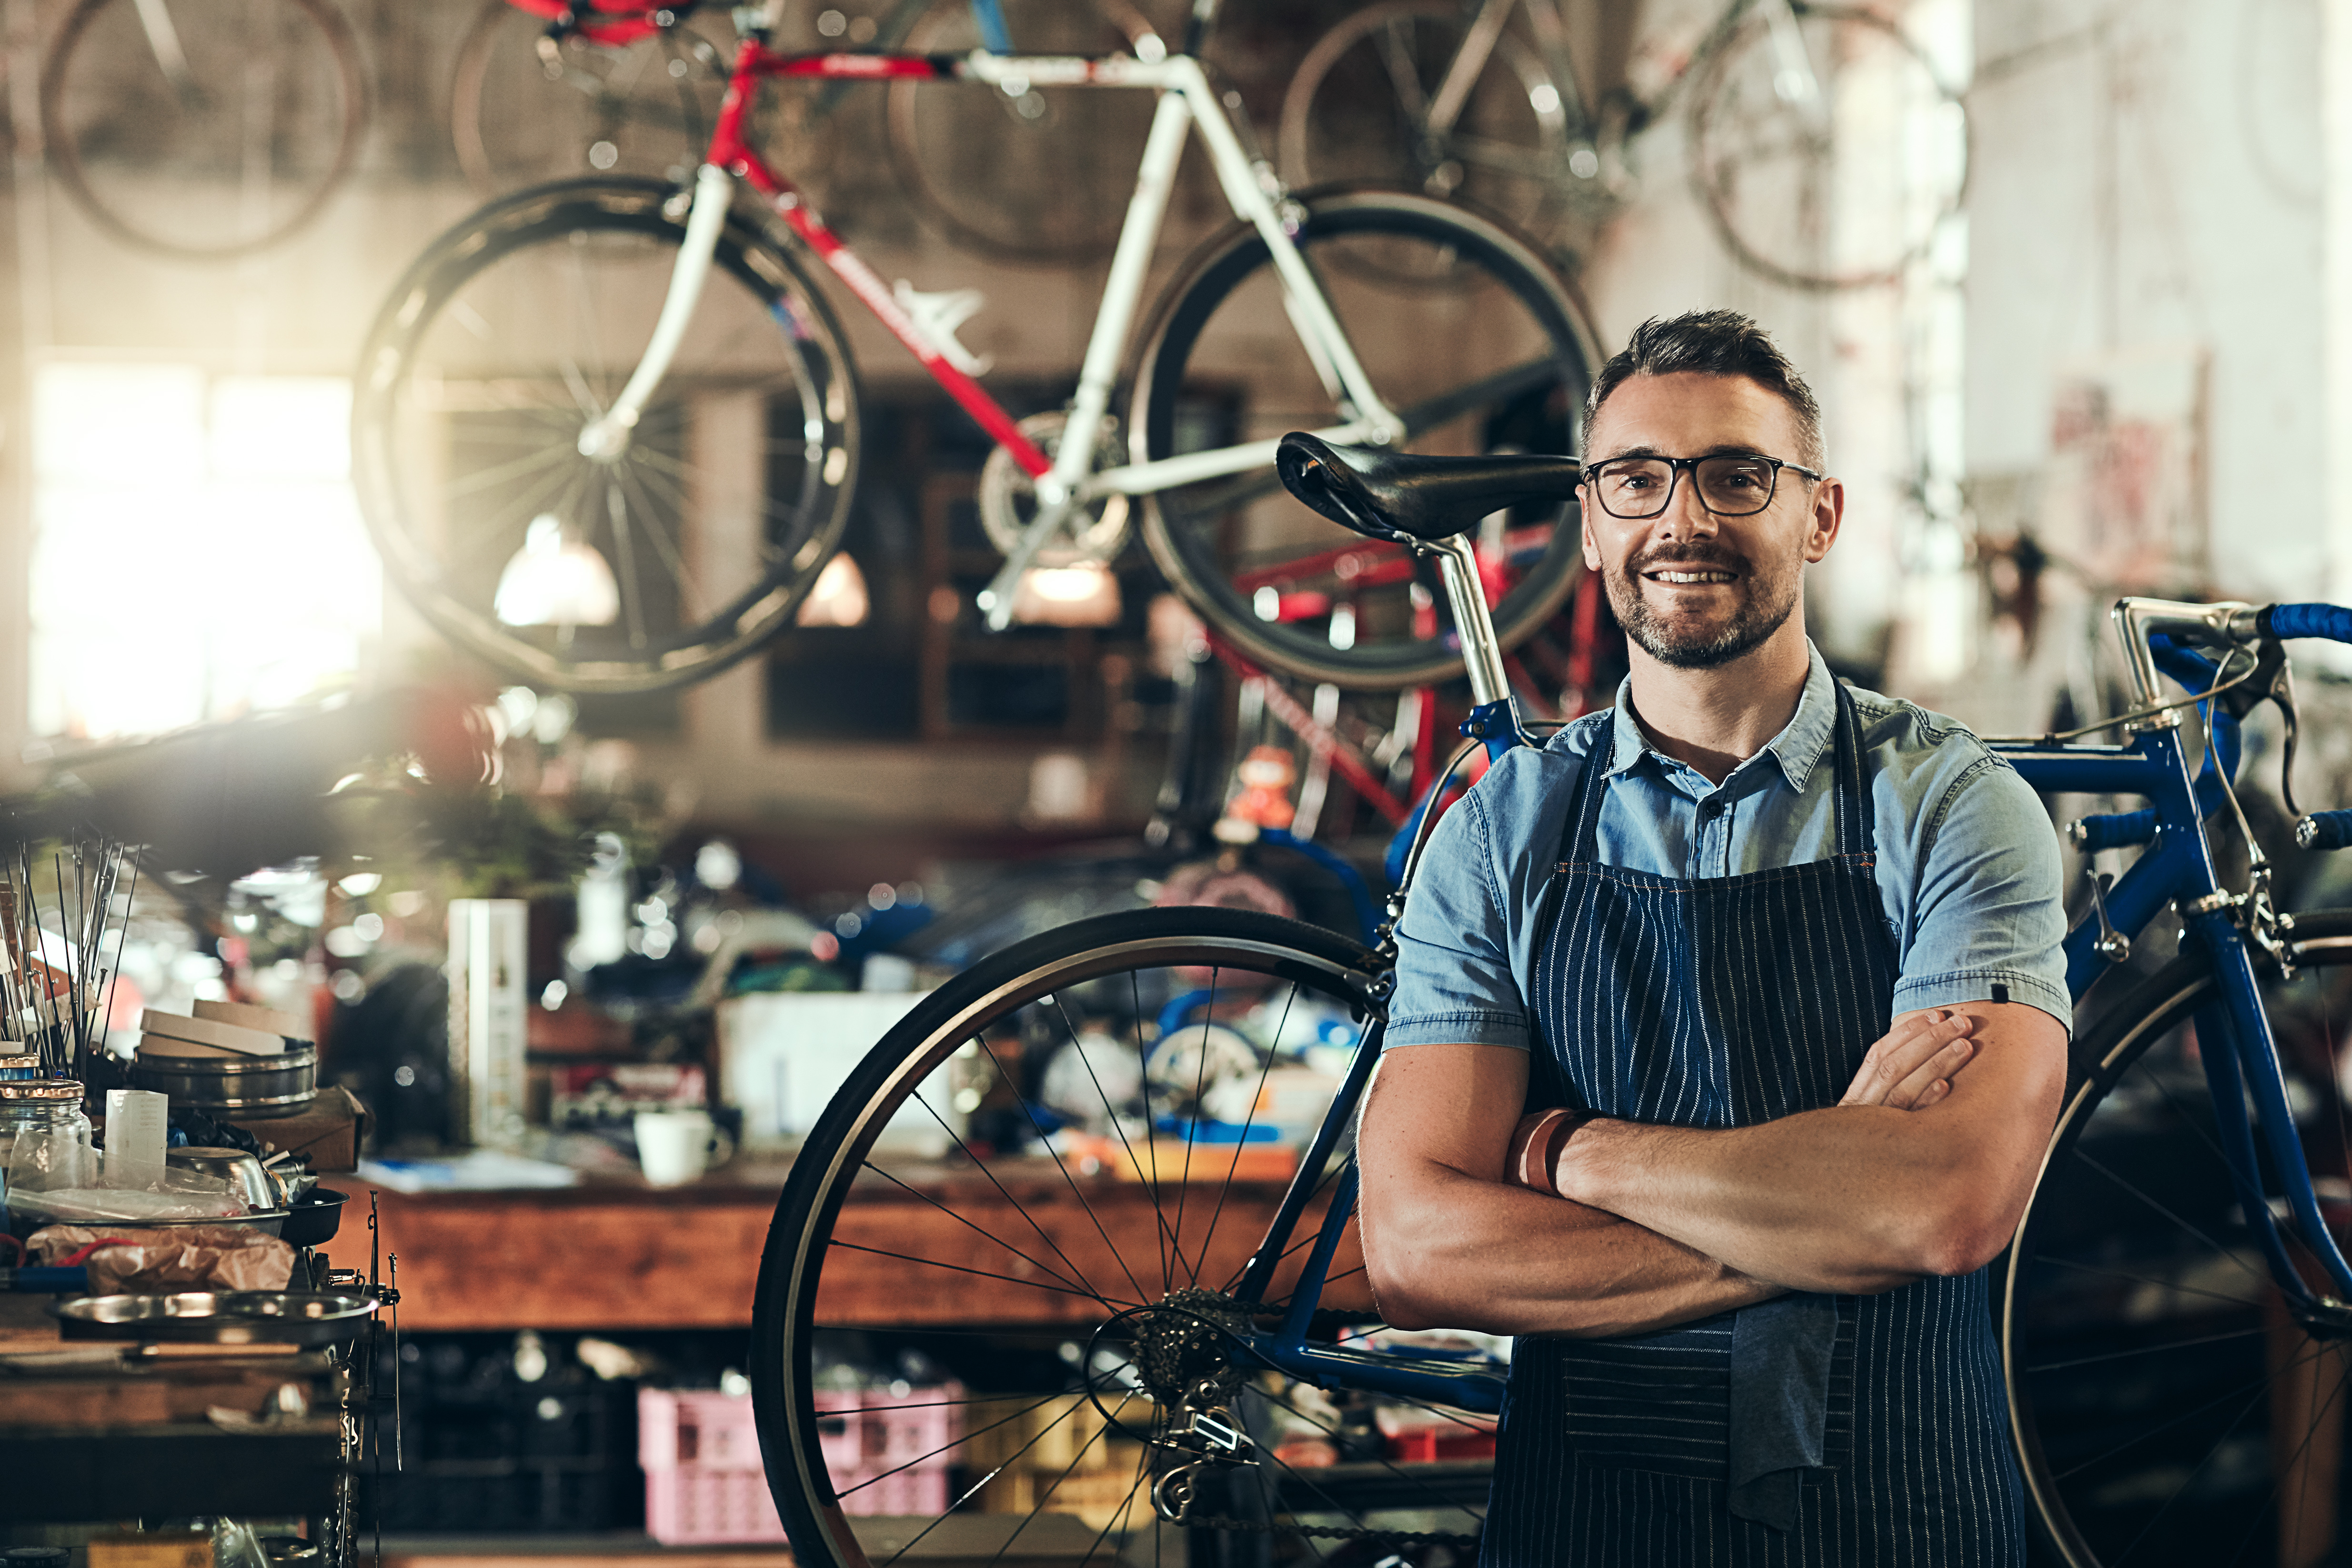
{"x": 1861, "y": 1430}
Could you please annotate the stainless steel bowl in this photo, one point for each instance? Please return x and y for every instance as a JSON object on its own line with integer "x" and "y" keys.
{"x": 235, "y": 1166}
{"x": 233, "y": 1086}
{"x": 223, "y": 1317}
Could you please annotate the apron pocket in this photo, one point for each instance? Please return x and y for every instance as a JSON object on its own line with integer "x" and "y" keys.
{"x": 1661, "y": 1402}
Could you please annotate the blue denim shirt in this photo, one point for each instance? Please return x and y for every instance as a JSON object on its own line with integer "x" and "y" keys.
{"x": 1967, "y": 867}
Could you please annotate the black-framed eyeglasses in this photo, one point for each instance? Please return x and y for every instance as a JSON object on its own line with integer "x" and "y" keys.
{"x": 1731, "y": 484}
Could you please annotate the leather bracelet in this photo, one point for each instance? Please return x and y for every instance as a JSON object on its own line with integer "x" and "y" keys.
{"x": 1539, "y": 1157}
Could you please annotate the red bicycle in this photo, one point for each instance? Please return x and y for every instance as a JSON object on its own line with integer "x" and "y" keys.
{"x": 640, "y": 383}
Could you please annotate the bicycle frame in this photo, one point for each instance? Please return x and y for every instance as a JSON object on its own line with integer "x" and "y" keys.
{"x": 1187, "y": 103}
{"x": 2238, "y": 1050}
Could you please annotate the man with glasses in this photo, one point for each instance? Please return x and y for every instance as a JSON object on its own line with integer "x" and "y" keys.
{"x": 1728, "y": 1032}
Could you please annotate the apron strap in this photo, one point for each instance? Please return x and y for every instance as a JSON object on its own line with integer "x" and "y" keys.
{"x": 1856, "y": 826}
{"x": 1580, "y": 836}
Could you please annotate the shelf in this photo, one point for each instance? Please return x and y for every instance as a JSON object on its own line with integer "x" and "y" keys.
{"x": 623, "y": 1255}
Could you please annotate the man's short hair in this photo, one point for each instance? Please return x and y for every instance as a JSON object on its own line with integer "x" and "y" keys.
{"x": 1712, "y": 342}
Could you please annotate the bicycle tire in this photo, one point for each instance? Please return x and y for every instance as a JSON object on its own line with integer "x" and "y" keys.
{"x": 84, "y": 92}
{"x": 1052, "y": 989}
{"x": 1033, "y": 181}
{"x": 1358, "y": 241}
{"x": 605, "y": 104}
{"x": 1341, "y": 123}
{"x": 2142, "y": 1339}
{"x": 473, "y": 355}
{"x": 1729, "y": 154}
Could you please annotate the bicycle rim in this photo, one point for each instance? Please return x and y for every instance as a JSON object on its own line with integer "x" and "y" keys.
{"x": 1357, "y": 111}
{"x": 1498, "y": 359}
{"x": 219, "y": 162}
{"x": 2165, "y": 1408}
{"x": 1034, "y": 178}
{"x": 640, "y": 108}
{"x": 504, "y": 338}
{"x": 944, "y": 1341}
{"x": 1844, "y": 195}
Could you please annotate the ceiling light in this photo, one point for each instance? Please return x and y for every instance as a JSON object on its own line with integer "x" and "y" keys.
{"x": 556, "y": 581}
{"x": 1085, "y": 594}
{"x": 839, "y": 598}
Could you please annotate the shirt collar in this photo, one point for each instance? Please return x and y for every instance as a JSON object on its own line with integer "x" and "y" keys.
{"x": 1796, "y": 749}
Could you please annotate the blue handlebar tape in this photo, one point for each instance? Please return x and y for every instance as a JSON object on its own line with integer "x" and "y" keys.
{"x": 2333, "y": 621}
{"x": 2325, "y": 830}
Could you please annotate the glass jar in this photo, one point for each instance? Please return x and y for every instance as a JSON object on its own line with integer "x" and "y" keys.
{"x": 45, "y": 1135}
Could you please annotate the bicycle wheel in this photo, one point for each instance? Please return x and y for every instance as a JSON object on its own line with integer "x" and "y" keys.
{"x": 1499, "y": 357}
{"x": 1842, "y": 188}
{"x": 202, "y": 128}
{"x": 1358, "y": 110}
{"x": 642, "y": 107}
{"x": 510, "y": 333}
{"x": 1034, "y": 178}
{"x": 2165, "y": 1408}
{"x": 974, "y": 1328}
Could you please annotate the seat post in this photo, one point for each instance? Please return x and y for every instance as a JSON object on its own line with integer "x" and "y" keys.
{"x": 1482, "y": 652}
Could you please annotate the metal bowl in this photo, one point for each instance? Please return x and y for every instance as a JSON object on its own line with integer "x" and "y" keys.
{"x": 249, "y": 1087}
{"x": 314, "y": 1217}
{"x": 235, "y": 1166}
{"x": 218, "y": 1318}
{"x": 28, "y": 1207}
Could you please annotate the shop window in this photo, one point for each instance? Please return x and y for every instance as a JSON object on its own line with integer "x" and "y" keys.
{"x": 197, "y": 551}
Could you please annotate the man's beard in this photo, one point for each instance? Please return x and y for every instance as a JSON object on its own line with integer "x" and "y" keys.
{"x": 1764, "y": 608}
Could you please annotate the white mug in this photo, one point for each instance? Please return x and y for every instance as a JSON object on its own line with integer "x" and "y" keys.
{"x": 675, "y": 1147}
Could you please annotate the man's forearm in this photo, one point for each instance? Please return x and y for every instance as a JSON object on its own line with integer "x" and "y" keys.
{"x": 1473, "y": 1254}
{"x": 1853, "y": 1198}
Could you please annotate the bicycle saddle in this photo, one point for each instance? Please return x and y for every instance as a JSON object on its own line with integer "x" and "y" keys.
{"x": 1414, "y": 500}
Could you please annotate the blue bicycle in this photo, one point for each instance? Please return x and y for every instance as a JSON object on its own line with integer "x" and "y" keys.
{"x": 1061, "y": 1193}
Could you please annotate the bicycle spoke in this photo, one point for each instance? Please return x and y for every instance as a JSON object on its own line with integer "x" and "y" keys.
{"x": 2136, "y": 1191}
{"x": 975, "y": 1488}
{"x": 1141, "y": 1294}
{"x": 664, "y": 547}
{"x": 1067, "y": 1470}
{"x": 2300, "y": 1450}
{"x": 960, "y": 1268}
{"x": 1151, "y": 1133}
{"x": 1418, "y": 1483}
{"x": 499, "y": 527}
{"x": 991, "y": 1236}
{"x": 1266, "y": 1067}
{"x": 633, "y": 605}
{"x": 1161, "y": 1236}
{"x": 1322, "y": 1183}
{"x": 981, "y": 1165}
{"x": 2166, "y": 1346}
{"x": 1200, "y": 1083}
{"x": 2260, "y": 1385}
{"x": 499, "y": 473}
{"x": 2200, "y": 1470}
{"x": 2142, "y": 1279}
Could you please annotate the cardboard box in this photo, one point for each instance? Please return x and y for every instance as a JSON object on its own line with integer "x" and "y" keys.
{"x": 330, "y": 1130}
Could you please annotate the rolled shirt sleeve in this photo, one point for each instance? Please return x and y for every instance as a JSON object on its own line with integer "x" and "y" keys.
{"x": 1987, "y": 918}
{"x": 1454, "y": 984}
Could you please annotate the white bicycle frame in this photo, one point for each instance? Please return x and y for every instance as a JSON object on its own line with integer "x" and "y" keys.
{"x": 1065, "y": 482}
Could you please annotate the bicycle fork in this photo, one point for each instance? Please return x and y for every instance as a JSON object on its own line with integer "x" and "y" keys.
{"x": 605, "y": 437}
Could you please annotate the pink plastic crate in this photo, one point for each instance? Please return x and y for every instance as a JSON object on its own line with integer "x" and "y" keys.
{"x": 705, "y": 1507}
{"x": 696, "y": 1429}
{"x": 705, "y": 1483}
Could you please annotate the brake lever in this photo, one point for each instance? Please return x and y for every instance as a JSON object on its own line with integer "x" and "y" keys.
{"x": 2271, "y": 682}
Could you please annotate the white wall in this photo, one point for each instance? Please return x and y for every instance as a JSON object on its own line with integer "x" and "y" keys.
{"x": 2146, "y": 177}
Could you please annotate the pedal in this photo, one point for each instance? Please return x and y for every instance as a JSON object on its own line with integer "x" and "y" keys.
{"x": 937, "y": 317}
